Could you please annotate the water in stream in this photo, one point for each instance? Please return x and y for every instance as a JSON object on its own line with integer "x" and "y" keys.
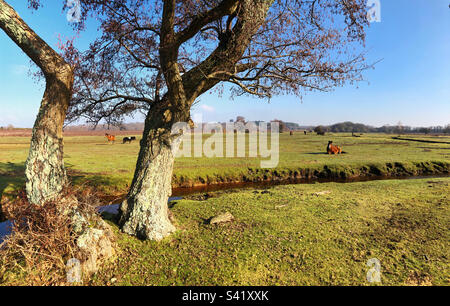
{"x": 5, "y": 227}
{"x": 184, "y": 191}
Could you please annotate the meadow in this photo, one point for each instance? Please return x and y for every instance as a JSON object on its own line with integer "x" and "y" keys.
{"x": 299, "y": 234}
{"x": 307, "y": 234}
{"x": 90, "y": 160}
{"x": 310, "y": 234}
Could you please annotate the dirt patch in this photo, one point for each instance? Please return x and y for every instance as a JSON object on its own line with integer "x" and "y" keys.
{"x": 418, "y": 279}
{"x": 200, "y": 197}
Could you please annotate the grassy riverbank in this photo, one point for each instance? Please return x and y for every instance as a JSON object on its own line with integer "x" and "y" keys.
{"x": 110, "y": 167}
{"x": 288, "y": 235}
{"x": 310, "y": 234}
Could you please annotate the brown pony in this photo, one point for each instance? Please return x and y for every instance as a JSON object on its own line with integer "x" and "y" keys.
{"x": 333, "y": 149}
{"x": 111, "y": 138}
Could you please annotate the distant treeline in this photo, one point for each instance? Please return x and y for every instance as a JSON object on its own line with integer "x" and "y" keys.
{"x": 343, "y": 127}
{"x": 136, "y": 126}
{"x": 350, "y": 127}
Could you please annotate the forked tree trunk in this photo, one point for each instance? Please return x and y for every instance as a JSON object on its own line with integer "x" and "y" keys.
{"x": 145, "y": 211}
{"x": 44, "y": 168}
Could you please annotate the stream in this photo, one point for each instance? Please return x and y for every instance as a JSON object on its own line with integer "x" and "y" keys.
{"x": 184, "y": 191}
{"x": 178, "y": 193}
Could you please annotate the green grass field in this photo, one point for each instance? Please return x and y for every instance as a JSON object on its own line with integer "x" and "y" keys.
{"x": 287, "y": 235}
{"x": 110, "y": 167}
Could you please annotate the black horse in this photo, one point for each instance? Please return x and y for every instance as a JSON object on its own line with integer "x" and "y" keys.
{"x": 128, "y": 139}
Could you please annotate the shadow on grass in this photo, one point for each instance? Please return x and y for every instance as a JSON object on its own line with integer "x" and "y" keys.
{"x": 12, "y": 176}
{"x": 101, "y": 181}
{"x": 12, "y": 179}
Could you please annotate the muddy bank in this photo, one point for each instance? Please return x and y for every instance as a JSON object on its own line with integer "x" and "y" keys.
{"x": 264, "y": 178}
{"x": 182, "y": 186}
{"x": 204, "y": 189}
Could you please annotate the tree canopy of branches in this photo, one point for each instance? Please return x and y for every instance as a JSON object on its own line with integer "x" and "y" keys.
{"x": 159, "y": 57}
{"x": 299, "y": 46}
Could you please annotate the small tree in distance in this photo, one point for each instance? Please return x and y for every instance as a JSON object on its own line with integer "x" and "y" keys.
{"x": 399, "y": 128}
{"x": 240, "y": 119}
{"x": 282, "y": 125}
{"x": 447, "y": 129}
{"x": 320, "y": 130}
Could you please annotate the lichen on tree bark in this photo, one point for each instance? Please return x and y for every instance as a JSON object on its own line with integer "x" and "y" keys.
{"x": 45, "y": 171}
{"x": 145, "y": 211}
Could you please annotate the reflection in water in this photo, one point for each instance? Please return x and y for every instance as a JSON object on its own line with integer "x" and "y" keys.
{"x": 114, "y": 208}
{"x": 5, "y": 229}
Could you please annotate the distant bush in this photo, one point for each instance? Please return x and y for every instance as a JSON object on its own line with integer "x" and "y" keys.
{"x": 320, "y": 130}
{"x": 447, "y": 129}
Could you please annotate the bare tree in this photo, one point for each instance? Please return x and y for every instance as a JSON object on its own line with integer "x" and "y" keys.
{"x": 161, "y": 56}
{"x": 399, "y": 128}
{"x": 45, "y": 170}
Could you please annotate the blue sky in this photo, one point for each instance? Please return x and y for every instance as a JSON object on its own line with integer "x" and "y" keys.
{"x": 411, "y": 84}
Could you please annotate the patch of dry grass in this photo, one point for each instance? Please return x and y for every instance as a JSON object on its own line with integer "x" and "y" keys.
{"x": 43, "y": 238}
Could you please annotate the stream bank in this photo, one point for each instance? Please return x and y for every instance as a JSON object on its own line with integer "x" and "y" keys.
{"x": 334, "y": 173}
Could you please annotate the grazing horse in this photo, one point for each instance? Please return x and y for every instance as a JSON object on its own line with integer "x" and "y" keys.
{"x": 128, "y": 139}
{"x": 111, "y": 138}
{"x": 333, "y": 149}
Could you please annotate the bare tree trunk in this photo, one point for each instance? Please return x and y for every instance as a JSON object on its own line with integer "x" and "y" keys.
{"x": 145, "y": 211}
{"x": 45, "y": 171}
